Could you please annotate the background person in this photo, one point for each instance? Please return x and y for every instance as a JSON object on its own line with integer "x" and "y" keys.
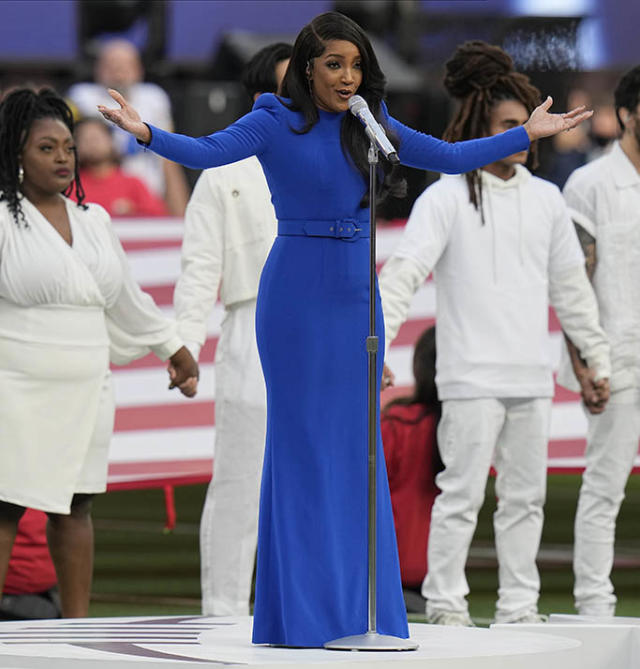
{"x": 604, "y": 197}
{"x": 30, "y": 587}
{"x": 65, "y": 290}
{"x": 103, "y": 180}
{"x": 408, "y": 426}
{"x": 312, "y": 320}
{"x": 119, "y": 66}
{"x": 501, "y": 245}
{"x": 229, "y": 229}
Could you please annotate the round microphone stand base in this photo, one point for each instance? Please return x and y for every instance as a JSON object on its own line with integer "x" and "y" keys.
{"x": 371, "y": 641}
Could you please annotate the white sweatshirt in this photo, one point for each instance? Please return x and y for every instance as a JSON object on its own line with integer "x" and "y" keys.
{"x": 230, "y": 225}
{"x": 493, "y": 285}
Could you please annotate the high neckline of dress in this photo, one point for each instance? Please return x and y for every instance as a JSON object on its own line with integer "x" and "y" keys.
{"x": 330, "y": 115}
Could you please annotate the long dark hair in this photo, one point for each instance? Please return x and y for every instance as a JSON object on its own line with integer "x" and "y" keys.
{"x": 18, "y": 110}
{"x": 480, "y": 75}
{"x": 627, "y": 93}
{"x": 259, "y": 74}
{"x": 424, "y": 373}
{"x": 311, "y": 43}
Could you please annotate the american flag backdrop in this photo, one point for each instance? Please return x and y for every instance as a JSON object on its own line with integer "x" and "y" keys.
{"x": 160, "y": 436}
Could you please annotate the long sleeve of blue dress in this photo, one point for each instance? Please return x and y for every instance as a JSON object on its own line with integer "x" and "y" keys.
{"x": 271, "y": 122}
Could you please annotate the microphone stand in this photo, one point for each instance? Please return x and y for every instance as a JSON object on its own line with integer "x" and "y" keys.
{"x": 371, "y": 640}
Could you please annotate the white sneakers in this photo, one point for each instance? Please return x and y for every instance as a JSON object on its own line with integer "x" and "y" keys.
{"x": 530, "y": 618}
{"x": 462, "y": 619}
{"x": 599, "y": 611}
{"x": 455, "y": 618}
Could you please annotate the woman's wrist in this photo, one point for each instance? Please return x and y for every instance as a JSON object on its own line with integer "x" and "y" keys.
{"x": 527, "y": 128}
{"x": 144, "y": 135}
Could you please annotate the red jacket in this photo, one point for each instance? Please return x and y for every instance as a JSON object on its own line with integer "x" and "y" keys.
{"x": 30, "y": 567}
{"x": 122, "y": 194}
{"x": 411, "y": 454}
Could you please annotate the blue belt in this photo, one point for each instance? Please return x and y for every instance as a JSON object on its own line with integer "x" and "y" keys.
{"x": 347, "y": 229}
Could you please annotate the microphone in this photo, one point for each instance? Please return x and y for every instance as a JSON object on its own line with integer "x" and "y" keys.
{"x": 360, "y": 109}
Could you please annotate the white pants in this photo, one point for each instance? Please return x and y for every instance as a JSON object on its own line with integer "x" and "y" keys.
{"x": 229, "y": 524}
{"x": 612, "y": 445}
{"x": 514, "y": 433}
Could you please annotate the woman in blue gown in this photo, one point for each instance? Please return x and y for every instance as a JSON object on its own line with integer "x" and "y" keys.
{"x": 312, "y": 323}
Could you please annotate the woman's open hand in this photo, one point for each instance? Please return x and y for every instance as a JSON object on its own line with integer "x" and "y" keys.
{"x": 126, "y": 117}
{"x": 543, "y": 124}
{"x": 388, "y": 378}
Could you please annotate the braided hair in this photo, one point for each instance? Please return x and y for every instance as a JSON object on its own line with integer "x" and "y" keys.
{"x": 18, "y": 110}
{"x": 311, "y": 43}
{"x": 480, "y": 75}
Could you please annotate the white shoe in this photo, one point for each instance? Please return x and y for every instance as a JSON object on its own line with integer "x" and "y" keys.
{"x": 530, "y": 618}
{"x": 454, "y": 618}
{"x": 604, "y": 611}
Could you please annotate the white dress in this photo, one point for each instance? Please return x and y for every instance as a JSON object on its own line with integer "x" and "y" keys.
{"x": 60, "y": 306}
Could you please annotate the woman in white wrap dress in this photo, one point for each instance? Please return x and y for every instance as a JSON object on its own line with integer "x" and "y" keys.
{"x": 66, "y": 292}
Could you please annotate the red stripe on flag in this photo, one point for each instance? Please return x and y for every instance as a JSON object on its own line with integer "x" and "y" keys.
{"x": 162, "y": 295}
{"x": 165, "y": 416}
{"x": 411, "y": 330}
{"x": 150, "y": 244}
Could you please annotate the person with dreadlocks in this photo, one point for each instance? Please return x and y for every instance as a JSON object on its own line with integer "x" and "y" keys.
{"x": 312, "y": 322}
{"x": 66, "y": 292}
{"x": 501, "y": 244}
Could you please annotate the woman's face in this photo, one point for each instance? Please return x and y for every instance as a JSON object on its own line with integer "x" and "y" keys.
{"x": 48, "y": 158}
{"x": 94, "y": 144}
{"x": 335, "y": 76}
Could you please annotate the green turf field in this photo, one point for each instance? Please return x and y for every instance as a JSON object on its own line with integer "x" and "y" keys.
{"x": 140, "y": 570}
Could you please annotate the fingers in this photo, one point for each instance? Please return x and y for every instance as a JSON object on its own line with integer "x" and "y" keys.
{"x": 573, "y": 112}
{"x": 546, "y": 105}
{"x": 109, "y": 114}
{"x": 595, "y": 409}
{"x": 117, "y": 97}
{"x": 388, "y": 377}
{"x": 577, "y": 120}
{"x": 190, "y": 387}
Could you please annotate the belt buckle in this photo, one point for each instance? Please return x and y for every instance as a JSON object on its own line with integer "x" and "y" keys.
{"x": 347, "y": 229}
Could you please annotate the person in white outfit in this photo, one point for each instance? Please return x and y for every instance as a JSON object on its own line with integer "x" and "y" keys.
{"x": 230, "y": 226}
{"x": 66, "y": 297}
{"x": 119, "y": 65}
{"x": 501, "y": 244}
{"x": 604, "y": 199}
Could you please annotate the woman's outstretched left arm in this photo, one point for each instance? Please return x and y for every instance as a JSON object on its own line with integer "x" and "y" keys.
{"x": 428, "y": 153}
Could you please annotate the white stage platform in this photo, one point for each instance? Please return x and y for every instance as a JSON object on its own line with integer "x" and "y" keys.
{"x": 605, "y": 643}
{"x": 128, "y": 643}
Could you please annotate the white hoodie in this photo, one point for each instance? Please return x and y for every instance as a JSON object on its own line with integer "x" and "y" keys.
{"x": 493, "y": 285}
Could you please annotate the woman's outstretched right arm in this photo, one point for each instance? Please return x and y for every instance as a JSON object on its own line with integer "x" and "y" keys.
{"x": 246, "y": 137}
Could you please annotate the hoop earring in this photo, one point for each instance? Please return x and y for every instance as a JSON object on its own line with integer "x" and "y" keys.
{"x": 20, "y": 174}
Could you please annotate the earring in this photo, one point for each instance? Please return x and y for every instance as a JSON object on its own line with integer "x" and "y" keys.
{"x": 309, "y": 77}
{"x": 20, "y": 174}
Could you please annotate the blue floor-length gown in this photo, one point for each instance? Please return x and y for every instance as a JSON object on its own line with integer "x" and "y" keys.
{"x": 312, "y": 323}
